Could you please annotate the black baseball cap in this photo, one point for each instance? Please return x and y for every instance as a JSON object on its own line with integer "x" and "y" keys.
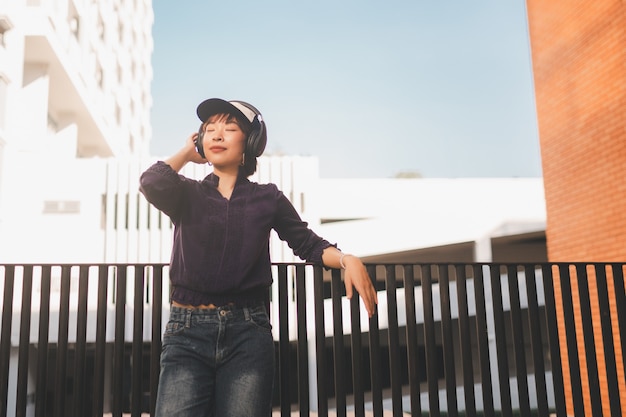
{"x": 238, "y": 108}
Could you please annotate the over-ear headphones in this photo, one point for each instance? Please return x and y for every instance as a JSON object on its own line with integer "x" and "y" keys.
{"x": 257, "y": 139}
{"x": 199, "y": 139}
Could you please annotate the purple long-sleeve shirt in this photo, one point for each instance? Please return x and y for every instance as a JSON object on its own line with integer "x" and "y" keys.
{"x": 220, "y": 251}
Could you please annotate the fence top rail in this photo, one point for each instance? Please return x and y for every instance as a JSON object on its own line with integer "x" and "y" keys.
{"x": 165, "y": 264}
{"x": 308, "y": 263}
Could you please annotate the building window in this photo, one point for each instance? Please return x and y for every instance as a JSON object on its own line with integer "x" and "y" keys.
{"x": 101, "y": 28}
{"x": 99, "y": 76}
{"x": 120, "y": 33}
{"x": 118, "y": 115}
{"x": 4, "y": 86}
{"x": 53, "y": 126}
{"x": 73, "y": 21}
{"x": 5, "y": 26}
{"x": 61, "y": 207}
{"x": 2, "y": 144}
{"x": 74, "y": 25}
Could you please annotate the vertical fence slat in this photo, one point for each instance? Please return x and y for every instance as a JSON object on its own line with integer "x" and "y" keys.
{"x": 99, "y": 360}
{"x": 553, "y": 339}
{"x": 81, "y": 340}
{"x": 357, "y": 357}
{"x": 606, "y": 325}
{"x": 572, "y": 343}
{"x": 482, "y": 333}
{"x": 620, "y": 304}
{"x": 447, "y": 340}
{"x": 338, "y": 344}
{"x": 284, "y": 382}
{"x": 413, "y": 359}
{"x": 501, "y": 341}
{"x": 393, "y": 339}
{"x": 137, "y": 346}
{"x": 25, "y": 320}
{"x": 589, "y": 339}
{"x": 536, "y": 344}
{"x": 429, "y": 340}
{"x": 62, "y": 344}
{"x": 519, "y": 343}
{"x": 42, "y": 342}
{"x": 155, "y": 345}
{"x": 303, "y": 350}
{"x": 374, "y": 345}
{"x": 465, "y": 341}
{"x": 320, "y": 341}
{"x": 119, "y": 342}
{"x": 5, "y": 341}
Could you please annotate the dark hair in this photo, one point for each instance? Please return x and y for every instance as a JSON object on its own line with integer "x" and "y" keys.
{"x": 250, "y": 162}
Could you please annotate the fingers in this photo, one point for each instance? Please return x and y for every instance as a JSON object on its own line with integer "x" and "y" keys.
{"x": 366, "y": 290}
{"x": 373, "y": 300}
{"x": 370, "y": 304}
{"x": 348, "y": 282}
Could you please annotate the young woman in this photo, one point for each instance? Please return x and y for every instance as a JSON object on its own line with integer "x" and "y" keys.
{"x": 218, "y": 351}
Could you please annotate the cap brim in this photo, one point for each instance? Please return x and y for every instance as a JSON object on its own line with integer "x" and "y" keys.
{"x": 214, "y": 106}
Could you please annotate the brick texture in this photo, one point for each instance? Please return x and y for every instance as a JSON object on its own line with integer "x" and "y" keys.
{"x": 579, "y": 63}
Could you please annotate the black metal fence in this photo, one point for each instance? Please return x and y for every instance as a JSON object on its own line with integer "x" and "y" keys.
{"x": 448, "y": 339}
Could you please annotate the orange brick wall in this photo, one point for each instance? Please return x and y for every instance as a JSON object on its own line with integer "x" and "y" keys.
{"x": 579, "y": 62}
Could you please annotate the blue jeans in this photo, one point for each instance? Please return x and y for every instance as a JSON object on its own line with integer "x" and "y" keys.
{"x": 216, "y": 362}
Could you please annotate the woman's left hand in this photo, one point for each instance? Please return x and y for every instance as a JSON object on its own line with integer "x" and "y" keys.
{"x": 356, "y": 276}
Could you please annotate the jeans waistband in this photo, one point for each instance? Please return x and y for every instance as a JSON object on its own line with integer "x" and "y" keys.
{"x": 231, "y": 310}
{"x": 229, "y": 306}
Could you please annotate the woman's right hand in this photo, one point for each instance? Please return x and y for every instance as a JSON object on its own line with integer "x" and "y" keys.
{"x": 192, "y": 151}
{"x": 188, "y": 153}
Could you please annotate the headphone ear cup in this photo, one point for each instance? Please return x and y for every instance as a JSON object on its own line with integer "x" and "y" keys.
{"x": 257, "y": 139}
{"x": 199, "y": 140}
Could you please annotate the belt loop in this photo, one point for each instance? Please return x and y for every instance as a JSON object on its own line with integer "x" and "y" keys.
{"x": 188, "y": 318}
{"x": 246, "y": 313}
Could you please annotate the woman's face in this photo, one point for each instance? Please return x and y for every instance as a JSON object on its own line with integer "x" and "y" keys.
{"x": 223, "y": 141}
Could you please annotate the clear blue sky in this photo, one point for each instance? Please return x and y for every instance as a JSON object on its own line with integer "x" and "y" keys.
{"x": 371, "y": 88}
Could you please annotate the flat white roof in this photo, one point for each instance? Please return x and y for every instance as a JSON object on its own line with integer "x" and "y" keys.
{"x": 375, "y": 216}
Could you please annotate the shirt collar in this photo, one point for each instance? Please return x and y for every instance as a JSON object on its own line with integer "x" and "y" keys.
{"x": 214, "y": 180}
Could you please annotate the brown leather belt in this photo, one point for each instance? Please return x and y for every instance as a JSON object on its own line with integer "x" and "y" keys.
{"x": 202, "y": 306}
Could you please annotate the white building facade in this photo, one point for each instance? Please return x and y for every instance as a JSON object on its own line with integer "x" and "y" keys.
{"x": 74, "y": 85}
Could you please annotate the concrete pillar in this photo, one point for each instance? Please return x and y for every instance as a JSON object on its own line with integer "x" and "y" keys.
{"x": 482, "y": 249}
